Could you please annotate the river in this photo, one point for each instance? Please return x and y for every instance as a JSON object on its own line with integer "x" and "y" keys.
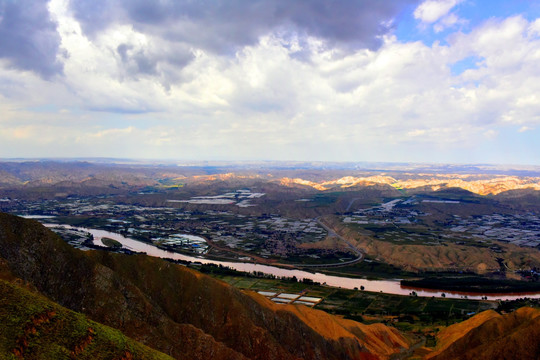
{"x": 384, "y": 286}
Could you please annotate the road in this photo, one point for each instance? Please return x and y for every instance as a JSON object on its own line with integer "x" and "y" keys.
{"x": 407, "y": 353}
{"x": 350, "y": 203}
{"x": 331, "y": 232}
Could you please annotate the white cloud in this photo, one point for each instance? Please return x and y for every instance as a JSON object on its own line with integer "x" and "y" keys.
{"x": 432, "y": 10}
{"x": 446, "y": 22}
{"x": 491, "y": 134}
{"x": 437, "y": 13}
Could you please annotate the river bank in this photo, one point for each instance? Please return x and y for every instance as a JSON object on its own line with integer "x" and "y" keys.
{"x": 384, "y": 286}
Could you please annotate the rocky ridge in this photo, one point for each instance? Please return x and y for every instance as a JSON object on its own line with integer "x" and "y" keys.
{"x": 433, "y": 182}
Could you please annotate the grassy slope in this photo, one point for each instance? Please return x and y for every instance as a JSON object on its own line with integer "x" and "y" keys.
{"x": 33, "y": 327}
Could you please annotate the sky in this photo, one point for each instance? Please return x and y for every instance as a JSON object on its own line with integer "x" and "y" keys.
{"x": 435, "y": 81}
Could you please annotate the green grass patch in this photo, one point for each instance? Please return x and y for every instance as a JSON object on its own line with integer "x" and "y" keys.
{"x": 353, "y": 304}
{"x": 111, "y": 243}
{"x": 33, "y": 327}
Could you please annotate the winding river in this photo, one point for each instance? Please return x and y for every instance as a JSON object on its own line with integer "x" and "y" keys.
{"x": 384, "y": 286}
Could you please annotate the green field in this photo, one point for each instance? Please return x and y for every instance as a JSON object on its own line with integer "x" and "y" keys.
{"x": 357, "y": 304}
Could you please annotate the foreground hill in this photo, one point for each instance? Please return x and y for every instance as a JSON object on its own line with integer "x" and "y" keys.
{"x": 177, "y": 310}
{"x": 188, "y": 315}
{"x": 33, "y": 327}
{"x": 492, "y": 336}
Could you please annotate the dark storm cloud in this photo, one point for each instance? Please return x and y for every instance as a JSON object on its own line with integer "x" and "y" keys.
{"x": 28, "y": 37}
{"x": 137, "y": 59}
{"x": 140, "y": 62}
{"x": 222, "y": 25}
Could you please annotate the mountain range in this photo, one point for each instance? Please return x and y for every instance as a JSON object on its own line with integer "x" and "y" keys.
{"x": 90, "y": 175}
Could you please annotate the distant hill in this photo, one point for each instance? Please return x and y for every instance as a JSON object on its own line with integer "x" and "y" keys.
{"x": 475, "y": 183}
{"x": 96, "y": 177}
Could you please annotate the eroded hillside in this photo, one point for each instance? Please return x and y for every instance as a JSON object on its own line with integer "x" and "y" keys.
{"x": 177, "y": 310}
{"x": 492, "y": 336}
{"x": 188, "y": 315}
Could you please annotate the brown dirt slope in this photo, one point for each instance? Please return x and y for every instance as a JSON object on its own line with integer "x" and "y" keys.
{"x": 492, "y": 336}
{"x": 377, "y": 338}
{"x": 437, "y": 258}
{"x": 177, "y": 310}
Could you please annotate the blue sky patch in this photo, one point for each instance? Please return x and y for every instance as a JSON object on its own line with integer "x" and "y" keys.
{"x": 470, "y": 62}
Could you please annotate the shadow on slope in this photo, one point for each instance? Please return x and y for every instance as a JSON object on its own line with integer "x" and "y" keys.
{"x": 33, "y": 327}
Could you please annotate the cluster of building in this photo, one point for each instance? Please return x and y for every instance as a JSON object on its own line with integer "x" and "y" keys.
{"x": 521, "y": 230}
{"x": 187, "y": 242}
{"x": 260, "y": 233}
{"x": 386, "y": 214}
{"x": 286, "y": 298}
{"x": 394, "y": 216}
{"x": 178, "y": 229}
{"x": 240, "y": 198}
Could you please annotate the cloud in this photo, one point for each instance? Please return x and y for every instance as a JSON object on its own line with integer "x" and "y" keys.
{"x": 28, "y": 37}
{"x": 223, "y": 26}
{"x": 504, "y": 87}
{"x": 447, "y": 21}
{"x": 432, "y": 10}
{"x": 154, "y": 57}
{"x": 280, "y": 92}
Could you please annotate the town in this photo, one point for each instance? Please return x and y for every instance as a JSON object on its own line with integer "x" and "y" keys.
{"x": 406, "y": 221}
